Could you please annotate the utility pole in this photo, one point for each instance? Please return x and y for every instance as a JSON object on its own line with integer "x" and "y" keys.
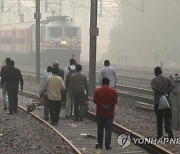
{"x": 92, "y": 53}
{"x": 100, "y": 13}
{"x": 19, "y": 10}
{"x": 60, "y": 7}
{"x": 37, "y": 16}
{"x": 73, "y": 10}
{"x": 2, "y": 8}
{"x": 46, "y": 6}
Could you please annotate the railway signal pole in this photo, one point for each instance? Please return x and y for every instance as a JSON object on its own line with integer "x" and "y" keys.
{"x": 37, "y": 16}
{"x": 92, "y": 53}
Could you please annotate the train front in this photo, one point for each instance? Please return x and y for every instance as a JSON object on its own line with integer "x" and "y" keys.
{"x": 61, "y": 41}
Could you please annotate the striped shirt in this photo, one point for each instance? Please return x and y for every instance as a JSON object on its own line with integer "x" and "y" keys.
{"x": 162, "y": 85}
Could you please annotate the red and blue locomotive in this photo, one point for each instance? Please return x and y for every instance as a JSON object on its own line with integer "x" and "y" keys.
{"x": 60, "y": 41}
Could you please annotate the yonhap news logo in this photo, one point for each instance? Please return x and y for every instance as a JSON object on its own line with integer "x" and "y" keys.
{"x": 124, "y": 140}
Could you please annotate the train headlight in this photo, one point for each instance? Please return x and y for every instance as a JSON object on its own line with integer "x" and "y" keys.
{"x": 51, "y": 42}
{"x": 75, "y": 42}
{"x": 63, "y": 42}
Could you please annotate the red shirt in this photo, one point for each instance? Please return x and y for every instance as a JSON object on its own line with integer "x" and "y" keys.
{"x": 105, "y": 95}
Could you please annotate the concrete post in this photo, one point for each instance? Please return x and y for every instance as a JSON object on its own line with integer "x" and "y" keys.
{"x": 37, "y": 16}
{"x": 94, "y": 31}
{"x": 175, "y": 96}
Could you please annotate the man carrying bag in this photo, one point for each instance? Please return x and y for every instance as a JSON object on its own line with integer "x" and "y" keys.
{"x": 162, "y": 88}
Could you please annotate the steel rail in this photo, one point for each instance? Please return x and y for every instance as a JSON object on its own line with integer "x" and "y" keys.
{"x": 118, "y": 129}
{"x": 43, "y": 121}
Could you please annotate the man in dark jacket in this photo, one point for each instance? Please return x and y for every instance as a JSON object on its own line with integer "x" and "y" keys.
{"x": 162, "y": 86}
{"x": 69, "y": 109}
{"x": 78, "y": 84}
{"x": 12, "y": 77}
{"x": 3, "y": 84}
{"x": 105, "y": 99}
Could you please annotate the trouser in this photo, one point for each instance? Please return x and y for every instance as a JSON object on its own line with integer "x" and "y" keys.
{"x": 4, "y": 94}
{"x": 165, "y": 114}
{"x": 78, "y": 97}
{"x": 107, "y": 124}
{"x": 54, "y": 109}
{"x": 69, "y": 110}
{"x": 12, "y": 90}
{"x": 46, "y": 107}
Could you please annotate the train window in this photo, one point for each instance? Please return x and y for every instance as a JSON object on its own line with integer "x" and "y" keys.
{"x": 18, "y": 40}
{"x": 55, "y": 32}
{"x": 6, "y": 40}
{"x": 71, "y": 31}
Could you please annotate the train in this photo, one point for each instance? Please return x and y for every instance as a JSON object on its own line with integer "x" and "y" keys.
{"x": 60, "y": 40}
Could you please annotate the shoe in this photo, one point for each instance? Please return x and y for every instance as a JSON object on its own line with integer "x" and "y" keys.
{"x": 97, "y": 146}
{"x": 76, "y": 119}
{"x": 68, "y": 117}
{"x": 158, "y": 137}
{"x": 170, "y": 135}
{"x": 10, "y": 113}
{"x": 81, "y": 118}
{"x": 108, "y": 148}
{"x": 53, "y": 123}
{"x": 5, "y": 107}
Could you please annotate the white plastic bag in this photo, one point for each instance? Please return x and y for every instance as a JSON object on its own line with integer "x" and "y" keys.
{"x": 163, "y": 103}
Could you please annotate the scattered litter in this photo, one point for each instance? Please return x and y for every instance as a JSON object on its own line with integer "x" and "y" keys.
{"x": 31, "y": 107}
{"x": 32, "y": 104}
{"x": 84, "y": 149}
{"x": 87, "y": 135}
{"x": 1, "y": 134}
{"x": 72, "y": 125}
{"x": 98, "y": 151}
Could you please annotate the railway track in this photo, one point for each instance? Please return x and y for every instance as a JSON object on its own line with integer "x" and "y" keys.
{"x": 27, "y": 133}
{"x": 55, "y": 130}
{"x": 135, "y": 87}
{"x": 83, "y": 134}
{"x": 126, "y": 92}
{"x": 136, "y": 93}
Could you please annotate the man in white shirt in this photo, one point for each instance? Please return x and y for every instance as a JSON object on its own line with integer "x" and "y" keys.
{"x": 108, "y": 72}
{"x": 69, "y": 110}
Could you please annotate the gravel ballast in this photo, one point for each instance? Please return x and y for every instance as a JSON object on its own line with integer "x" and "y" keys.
{"x": 21, "y": 133}
{"x": 139, "y": 121}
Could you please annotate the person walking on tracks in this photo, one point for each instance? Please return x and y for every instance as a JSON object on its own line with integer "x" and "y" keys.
{"x": 12, "y": 77}
{"x": 68, "y": 71}
{"x": 105, "y": 99}
{"x": 60, "y": 71}
{"x": 77, "y": 87}
{"x": 54, "y": 85}
{"x": 108, "y": 72}
{"x": 61, "y": 74}
{"x": 162, "y": 86}
{"x": 43, "y": 93}
{"x": 3, "y": 83}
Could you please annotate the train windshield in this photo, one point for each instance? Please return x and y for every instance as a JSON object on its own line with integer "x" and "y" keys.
{"x": 55, "y": 32}
{"x": 71, "y": 31}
